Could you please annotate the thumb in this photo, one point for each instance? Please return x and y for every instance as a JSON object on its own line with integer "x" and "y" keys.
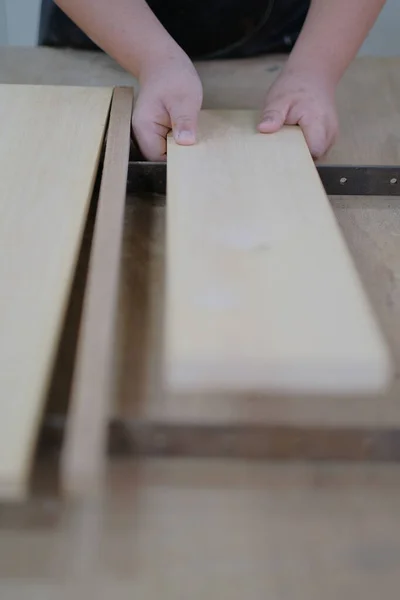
{"x": 184, "y": 123}
{"x": 273, "y": 118}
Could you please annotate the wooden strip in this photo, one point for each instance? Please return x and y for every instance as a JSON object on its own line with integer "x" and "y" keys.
{"x": 49, "y": 150}
{"x": 269, "y": 442}
{"x": 261, "y": 292}
{"x": 84, "y": 451}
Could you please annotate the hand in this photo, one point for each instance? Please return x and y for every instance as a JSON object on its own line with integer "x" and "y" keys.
{"x": 302, "y": 99}
{"x": 170, "y": 98}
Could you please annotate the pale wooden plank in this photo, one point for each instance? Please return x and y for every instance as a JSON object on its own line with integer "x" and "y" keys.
{"x": 49, "y": 149}
{"x": 262, "y": 294}
{"x": 85, "y": 445}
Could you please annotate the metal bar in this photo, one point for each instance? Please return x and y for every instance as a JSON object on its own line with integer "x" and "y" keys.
{"x": 338, "y": 180}
{"x": 360, "y": 180}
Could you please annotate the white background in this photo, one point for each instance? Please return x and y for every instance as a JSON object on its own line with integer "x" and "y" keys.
{"x": 19, "y": 26}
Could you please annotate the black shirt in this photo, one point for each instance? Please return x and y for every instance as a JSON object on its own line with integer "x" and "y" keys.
{"x": 203, "y": 28}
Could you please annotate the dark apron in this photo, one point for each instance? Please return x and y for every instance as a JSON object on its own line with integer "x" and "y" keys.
{"x": 205, "y": 29}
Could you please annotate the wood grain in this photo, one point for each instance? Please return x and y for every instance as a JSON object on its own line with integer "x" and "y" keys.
{"x": 49, "y": 149}
{"x": 261, "y": 292}
{"x": 84, "y": 451}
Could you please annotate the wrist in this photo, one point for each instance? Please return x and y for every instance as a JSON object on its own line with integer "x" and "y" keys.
{"x": 162, "y": 59}
{"x": 319, "y": 71}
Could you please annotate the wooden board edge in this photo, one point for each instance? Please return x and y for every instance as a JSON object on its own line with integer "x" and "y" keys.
{"x": 20, "y": 491}
{"x": 137, "y": 438}
{"x": 84, "y": 449}
{"x": 147, "y": 439}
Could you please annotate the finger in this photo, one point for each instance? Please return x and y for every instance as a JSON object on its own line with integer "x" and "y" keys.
{"x": 273, "y": 117}
{"x": 318, "y": 135}
{"x": 319, "y": 129}
{"x": 152, "y": 139}
{"x": 184, "y": 115}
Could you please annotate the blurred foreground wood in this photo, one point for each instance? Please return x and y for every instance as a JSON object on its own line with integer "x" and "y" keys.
{"x": 178, "y": 529}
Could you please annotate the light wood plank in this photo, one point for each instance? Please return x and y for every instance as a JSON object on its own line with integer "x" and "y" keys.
{"x": 85, "y": 446}
{"x": 49, "y": 149}
{"x": 261, "y": 292}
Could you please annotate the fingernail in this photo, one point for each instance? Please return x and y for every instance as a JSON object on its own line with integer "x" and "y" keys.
{"x": 268, "y": 119}
{"x": 185, "y": 137}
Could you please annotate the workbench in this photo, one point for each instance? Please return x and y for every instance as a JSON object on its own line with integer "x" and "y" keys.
{"x": 222, "y": 528}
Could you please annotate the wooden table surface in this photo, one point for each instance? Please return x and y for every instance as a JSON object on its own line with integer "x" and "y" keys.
{"x": 216, "y": 530}
{"x": 220, "y": 529}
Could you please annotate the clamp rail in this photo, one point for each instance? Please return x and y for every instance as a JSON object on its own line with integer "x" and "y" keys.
{"x": 338, "y": 180}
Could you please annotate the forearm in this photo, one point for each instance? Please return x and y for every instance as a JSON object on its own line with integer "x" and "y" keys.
{"x": 127, "y": 30}
{"x": 332, "y": 35}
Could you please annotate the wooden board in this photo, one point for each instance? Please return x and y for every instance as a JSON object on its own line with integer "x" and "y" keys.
{"x": 261, "y": 293}
{"x": 49, "y": 149}
{"x": 85, "y": 447}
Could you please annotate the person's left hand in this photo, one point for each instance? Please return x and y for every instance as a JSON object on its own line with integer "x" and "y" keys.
{"x": 301, "y": 98}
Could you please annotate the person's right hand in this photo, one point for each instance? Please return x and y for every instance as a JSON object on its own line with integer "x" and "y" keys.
{"x": 170, "y": 98}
